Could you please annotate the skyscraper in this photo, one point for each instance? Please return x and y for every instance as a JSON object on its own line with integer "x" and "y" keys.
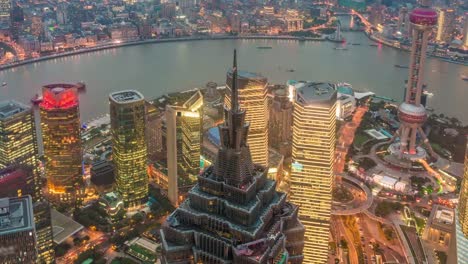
{"x": 127, "y": 114}
{"x": 44, "y": 234}
{"x": 5, "y": 9}
{"x": 412, "y": 113}
{"x": 153, "y": 131}
{"x": 461, "y": 225}
{"x": 445, "y": 25}
{"x": 313, "y": 150}
{"x": 253, "y": 99}
{"x": 17, "y": 233}
{"x": 402, "y": 19}
{"x": 18, "y": 145}
{"x": 280, "y": 124}
{"x": 60, "y": 123}
{"x": 465, "y": 32}
{"x": 16, "y": 181}
{"x": 20, "y": 174}
{"x": 233, "y": 214}
{"x": 184, "y": 129}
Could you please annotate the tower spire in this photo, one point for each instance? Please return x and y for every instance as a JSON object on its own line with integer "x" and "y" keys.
{"x": 234, "y": 96}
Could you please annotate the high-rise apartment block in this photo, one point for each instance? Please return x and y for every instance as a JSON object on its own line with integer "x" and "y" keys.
{"x": 128, "y": 124}
{"x": 313, "y": 155}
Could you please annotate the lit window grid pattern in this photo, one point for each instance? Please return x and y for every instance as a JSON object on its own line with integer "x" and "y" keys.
{"x": 44, "y": 235}
{"x": 191, "y": 134}
{"x": 463, "y": 201}
{"x": 63, "y": 153}
{"x": 129, "y": 151}
{"x": 5, "y": 9}
{"x": 311, "y": 188}
{"x": 445, "y": 25}
{"x": 461, "y": 242}
{"x": 253, "y": 99}
{"x": 18, "y": 144}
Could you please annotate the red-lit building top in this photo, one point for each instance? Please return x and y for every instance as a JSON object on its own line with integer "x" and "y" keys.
{"x": 423, "y": 17}
{"x": 59, "y": 96}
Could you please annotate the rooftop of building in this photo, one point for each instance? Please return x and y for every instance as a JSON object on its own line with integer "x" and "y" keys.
{"x": 127, "y": 96}
{"x": 112, "y": 198}
{"x": 63, "y": 226}
{"x": 16, "y": 215}
{"x": 175, "y": 99}
{"x": 59, "y": 87}
{"x": 442, "y": 218}
{"x": 343, "y": 89}
{"x": 11, "y": 108}
{"x": 315, "y": 92}
{"x": 275, "y": 158}
{"x": 243, "y": 76}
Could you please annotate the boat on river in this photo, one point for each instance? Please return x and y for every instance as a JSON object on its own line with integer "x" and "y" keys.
{"x": 81, "y": 85}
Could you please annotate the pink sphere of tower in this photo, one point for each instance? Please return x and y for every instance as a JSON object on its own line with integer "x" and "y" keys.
{"x": 412, "y": 114}
{"x": 423, "y": 17}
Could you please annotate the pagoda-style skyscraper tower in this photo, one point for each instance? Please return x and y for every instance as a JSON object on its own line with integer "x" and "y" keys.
{"x": 233, "y": 214}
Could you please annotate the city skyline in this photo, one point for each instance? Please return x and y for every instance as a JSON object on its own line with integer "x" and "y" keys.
{"x": 313, "y": 149}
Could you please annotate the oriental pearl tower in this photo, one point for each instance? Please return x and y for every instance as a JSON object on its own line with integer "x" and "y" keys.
{"x": 411, "y": 112}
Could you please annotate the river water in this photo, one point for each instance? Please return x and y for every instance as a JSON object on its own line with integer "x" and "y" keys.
{"x": 156, "y": 69}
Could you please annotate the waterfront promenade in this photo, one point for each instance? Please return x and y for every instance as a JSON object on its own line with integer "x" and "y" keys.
{"x": 113, "y": 45}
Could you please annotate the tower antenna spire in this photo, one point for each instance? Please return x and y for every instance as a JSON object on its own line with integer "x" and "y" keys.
{"x": 234, "y": 96}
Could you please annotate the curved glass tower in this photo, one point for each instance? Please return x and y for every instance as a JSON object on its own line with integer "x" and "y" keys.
{"x": 127, "y": 116}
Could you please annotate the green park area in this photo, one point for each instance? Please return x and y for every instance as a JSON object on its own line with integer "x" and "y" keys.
{"x": 141, "y": 253}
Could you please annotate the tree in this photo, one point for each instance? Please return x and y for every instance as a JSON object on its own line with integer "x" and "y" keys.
{"x": 61, "y": 250}
{"x": 137, "y": 218}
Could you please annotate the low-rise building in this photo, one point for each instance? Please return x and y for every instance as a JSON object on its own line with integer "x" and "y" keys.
{"x": 388, "y": 182}
{"x": 102, "y": 173}
{"x": 439, "y": 226}
{"x": 112, "y": 203}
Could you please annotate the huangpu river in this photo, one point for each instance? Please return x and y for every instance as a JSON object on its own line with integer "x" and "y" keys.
{"x": 157, "y": 69}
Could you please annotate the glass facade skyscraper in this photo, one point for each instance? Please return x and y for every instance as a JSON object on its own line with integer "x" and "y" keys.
{"x": 313, "y": 152}
{"x": 61, "y": 127}
{"x": 461, "y": 228}
{"x": 129, "y": 153}
{"x": 19, "y": 170}
{"x": 18, "y": 141}
{"x": 184, "y": 130}
{"x": 253, "y": 99}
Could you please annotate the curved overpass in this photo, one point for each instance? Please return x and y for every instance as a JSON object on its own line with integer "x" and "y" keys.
{"x": 363, "y": 207}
